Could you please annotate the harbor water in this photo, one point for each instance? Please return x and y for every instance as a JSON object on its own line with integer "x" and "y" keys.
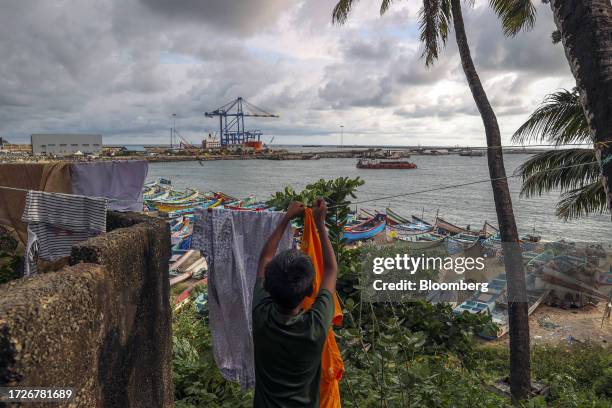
{"x": 461, "y": 205}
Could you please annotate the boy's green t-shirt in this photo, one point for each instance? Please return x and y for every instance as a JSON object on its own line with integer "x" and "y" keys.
{"x": 288, "y": 350}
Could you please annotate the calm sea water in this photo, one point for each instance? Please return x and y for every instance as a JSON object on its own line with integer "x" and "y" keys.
{"x": 465, "y": 205}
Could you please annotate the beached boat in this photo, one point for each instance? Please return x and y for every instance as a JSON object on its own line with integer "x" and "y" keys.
{"x": 412, "y": 231}
{"x": 186, "y": 197}
{"x": 246, "y": 204}
{"x": 365, "y": 230}
{"x": 189, "y": 209}
{"x": 419, "y": 219}
{"x": 179, "y": 230}
{"x": 394, "y": 218}
{"x": 376, "y": 164}
{"x": 446, "y": 228}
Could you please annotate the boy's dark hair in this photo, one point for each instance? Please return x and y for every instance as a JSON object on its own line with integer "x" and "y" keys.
{"x": 289, "y": 277}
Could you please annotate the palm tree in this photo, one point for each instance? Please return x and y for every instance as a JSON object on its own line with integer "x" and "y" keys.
{"x": 584, "y": 27}
{"x": 436, "y": 18}
{"x": 560, "y": 120}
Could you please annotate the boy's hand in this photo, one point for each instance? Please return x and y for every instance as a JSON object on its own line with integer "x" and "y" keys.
{"x": 295, "y": 209}
{"x": 319, "y": 211}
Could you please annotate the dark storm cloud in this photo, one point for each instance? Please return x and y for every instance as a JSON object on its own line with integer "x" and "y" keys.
{"x": 226, "y": 15}
{"x": 122, "y": 67}
{"x": 362, "y": 49}
{"x": 531, "y": 52}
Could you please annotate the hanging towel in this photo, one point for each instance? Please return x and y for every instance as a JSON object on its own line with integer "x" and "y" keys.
{"x": 332, "y": 366}
{"x": 56, "y": 222}
{"x": 50, "y": 177}
{"x": 231, "y": 242}
{"x": 119, "y": 181}
{"x": 31, "y": 254}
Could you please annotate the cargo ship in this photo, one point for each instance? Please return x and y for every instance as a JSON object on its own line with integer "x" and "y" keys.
{"x": 385, "y": 164}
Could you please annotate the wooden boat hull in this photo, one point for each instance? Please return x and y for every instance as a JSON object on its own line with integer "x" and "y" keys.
{"x": 359, "y": 235}
{"x": 394, "y": 218}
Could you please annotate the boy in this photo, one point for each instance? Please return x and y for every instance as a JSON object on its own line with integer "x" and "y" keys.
{"x": 288, "y": 341}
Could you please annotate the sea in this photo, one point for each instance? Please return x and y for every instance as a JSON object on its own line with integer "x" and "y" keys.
{"x": 401, "y": 190}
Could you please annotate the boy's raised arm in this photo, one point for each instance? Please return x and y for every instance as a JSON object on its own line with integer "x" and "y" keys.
{"x": 269, "y": 250}
{"x": 330, "y": 268}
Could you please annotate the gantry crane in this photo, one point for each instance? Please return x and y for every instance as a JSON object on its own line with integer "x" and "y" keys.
{"x": 231, "y": 121}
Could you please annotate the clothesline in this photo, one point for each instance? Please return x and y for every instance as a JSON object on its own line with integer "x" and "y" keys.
{"x": 451, "y": 186}
{"x": 594, "y": 145}
{"x": 114, "y": 200}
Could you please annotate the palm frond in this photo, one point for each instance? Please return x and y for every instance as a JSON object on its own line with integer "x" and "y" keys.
{"x": 384, "y": 6}
{"x": 434, "y": 23}
{"x": 550, "y": 171}
{"x": 342, "y": 10}
{"x": 560, "y": 119}
{"x": 589, "y": 199}
{"x": 516, "y": 15}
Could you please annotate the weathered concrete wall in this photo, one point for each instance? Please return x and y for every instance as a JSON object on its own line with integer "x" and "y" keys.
{"x": 102, "y": 325}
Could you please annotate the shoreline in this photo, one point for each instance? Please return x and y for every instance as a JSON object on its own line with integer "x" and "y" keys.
{"x": 269, "y": 155}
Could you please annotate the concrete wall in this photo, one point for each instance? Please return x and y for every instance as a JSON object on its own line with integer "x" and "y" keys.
{"x": 101, "y": 325}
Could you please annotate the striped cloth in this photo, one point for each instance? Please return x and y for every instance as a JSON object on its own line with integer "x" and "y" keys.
{"x": 57, "y": 221}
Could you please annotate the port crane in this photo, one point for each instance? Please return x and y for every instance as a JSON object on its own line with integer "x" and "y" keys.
{"x": 231, "y": 121}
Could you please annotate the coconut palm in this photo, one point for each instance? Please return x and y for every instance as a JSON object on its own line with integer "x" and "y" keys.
{"x": 584, "y": 27}
{"x": 560, "y": 120}
{"x": 436, "y": 19}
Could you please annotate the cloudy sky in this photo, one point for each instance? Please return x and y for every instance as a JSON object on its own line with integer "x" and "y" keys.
{"x": 122, "y": 67}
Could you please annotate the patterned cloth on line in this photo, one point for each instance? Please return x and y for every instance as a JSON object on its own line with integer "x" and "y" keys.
{"x": 56, "y": 222}
{"x": 232, "y": 241}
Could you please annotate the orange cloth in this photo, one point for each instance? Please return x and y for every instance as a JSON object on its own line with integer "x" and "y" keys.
{"x": 332, "y": 366}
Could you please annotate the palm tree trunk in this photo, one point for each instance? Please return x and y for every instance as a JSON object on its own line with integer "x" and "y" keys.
{"x": 586, "y": 33}
{"x": 520, "y": 381}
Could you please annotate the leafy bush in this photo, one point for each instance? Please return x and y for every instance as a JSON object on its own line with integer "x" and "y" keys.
{"x": 197, "y": 380}
{"x": 9, "y": 266}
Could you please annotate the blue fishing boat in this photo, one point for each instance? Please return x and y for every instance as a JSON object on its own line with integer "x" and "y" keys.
{"x": 366, "y": 230}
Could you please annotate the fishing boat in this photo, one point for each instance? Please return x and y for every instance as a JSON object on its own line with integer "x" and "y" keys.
{"x": 411, "y": 231}
{"x": 458, "y": 244}
{"x": 422, "y": 241}
{"x": 189, "y": 209}
{"x": 246, "y": 204}
{"x": 376, "y": 164}
{"x": 446, "y": 228}
{"x": 418, "y": 219}
{"x": 394, "y": 218}
{"x": 179, "y": 230}
{"x": 365, "y": 230}
{"x": 187, "y": 196}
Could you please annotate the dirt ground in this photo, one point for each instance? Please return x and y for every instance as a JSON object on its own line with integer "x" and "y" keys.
{"x": 552, "y": 325}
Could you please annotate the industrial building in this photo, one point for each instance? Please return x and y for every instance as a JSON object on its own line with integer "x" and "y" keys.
{"x": 66, "y": 144}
